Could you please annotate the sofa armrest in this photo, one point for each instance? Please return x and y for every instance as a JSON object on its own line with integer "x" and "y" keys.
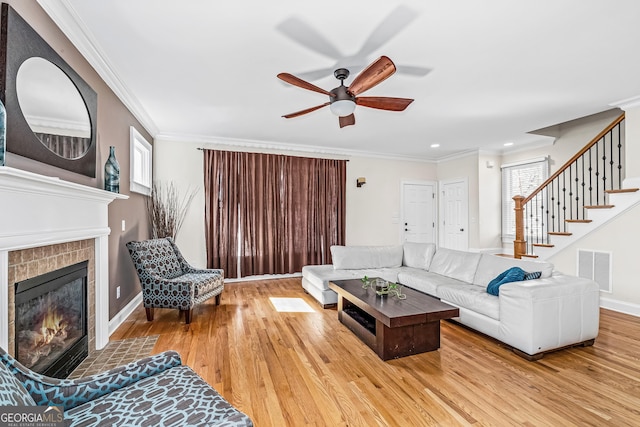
{"x": 71, "y": 393}
{"x": 550, "y": 313}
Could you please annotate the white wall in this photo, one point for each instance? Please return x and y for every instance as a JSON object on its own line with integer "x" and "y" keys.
{"x": 570, "y": 138}
{"x": 489, "y": 202}
{"x": 371, "y": 209}
{"x": 632, "y": 128}
{"x": 369, "y": 212}
{"x": 613, "y": 237}
{"x": 182, "y": 164}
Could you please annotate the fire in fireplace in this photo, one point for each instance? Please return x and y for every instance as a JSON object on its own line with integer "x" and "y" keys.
{"x": 51, "y": 321}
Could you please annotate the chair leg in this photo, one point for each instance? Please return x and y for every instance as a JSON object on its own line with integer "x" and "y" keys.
{"x": 187, "y": 315}
{"x": 149, "y": 313}
{"x": 218, "y": 297}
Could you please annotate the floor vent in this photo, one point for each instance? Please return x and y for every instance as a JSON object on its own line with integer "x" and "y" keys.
{"x": 595, "y": 266}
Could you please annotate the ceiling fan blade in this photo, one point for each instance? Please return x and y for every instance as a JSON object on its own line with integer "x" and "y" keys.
{"x": 296, "y": 81}
{"x": 301, "y": 32}
{"x": 395, "y": 22}
{"x": 373, "y": 75}
{"x": 384, "y": 103}
{"x": 347, "y": 120}
{"x": 308, "y": 110}
{"x": 413, "y": 70}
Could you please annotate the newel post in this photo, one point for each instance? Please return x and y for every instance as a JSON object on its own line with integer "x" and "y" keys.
{"x": 519, "y": 244}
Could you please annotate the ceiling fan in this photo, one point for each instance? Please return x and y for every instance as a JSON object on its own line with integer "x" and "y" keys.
{"x": 302, "y": 33}
{"x": 343, "y": 99}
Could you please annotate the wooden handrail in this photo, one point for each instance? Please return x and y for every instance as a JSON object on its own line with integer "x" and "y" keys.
{"x": 574, "y": 158}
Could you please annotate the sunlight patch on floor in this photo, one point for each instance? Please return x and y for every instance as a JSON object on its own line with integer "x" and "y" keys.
{"x": 291, "y": 305}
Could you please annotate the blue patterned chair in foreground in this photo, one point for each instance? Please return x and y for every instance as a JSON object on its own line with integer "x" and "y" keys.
{"x": 155, "y": 391}
{"x": 167, "y": 279}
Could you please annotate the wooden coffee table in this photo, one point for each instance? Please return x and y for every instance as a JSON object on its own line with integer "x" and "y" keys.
{"x": 389, "y": 326}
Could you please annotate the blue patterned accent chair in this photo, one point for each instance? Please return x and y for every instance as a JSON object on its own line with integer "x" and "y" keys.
{"x": 155, "y": 391}
{"x": 167, "y": 279}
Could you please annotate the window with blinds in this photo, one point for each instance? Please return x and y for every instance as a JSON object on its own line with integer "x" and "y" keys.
{"x": 519, "y": 179}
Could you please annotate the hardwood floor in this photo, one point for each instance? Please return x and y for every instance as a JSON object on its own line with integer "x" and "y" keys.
{"x": 294, "y": 369}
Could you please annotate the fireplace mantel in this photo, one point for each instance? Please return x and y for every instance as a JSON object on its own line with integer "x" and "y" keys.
{"x": 39, "y": 210}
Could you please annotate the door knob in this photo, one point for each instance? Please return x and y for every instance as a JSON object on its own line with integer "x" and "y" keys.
{"x": 406, "y": 229}
{"x": 462, "y": 229}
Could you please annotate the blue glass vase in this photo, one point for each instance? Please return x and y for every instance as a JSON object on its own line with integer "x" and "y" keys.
{"x": 112, "y": 172}
{"x": 3, "y": 133}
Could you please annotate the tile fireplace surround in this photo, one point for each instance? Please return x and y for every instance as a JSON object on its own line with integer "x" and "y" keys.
{"x": 46, "y": 223}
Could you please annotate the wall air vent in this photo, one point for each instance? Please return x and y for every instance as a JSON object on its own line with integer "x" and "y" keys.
{"x": 596, "y": 266}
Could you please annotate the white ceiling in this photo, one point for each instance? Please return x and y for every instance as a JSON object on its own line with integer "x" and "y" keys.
{"x": 205, "y": 71}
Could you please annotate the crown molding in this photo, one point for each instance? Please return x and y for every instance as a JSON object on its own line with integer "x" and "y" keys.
{"x": 270, "y": 146}
{"x": 65, "y": 17}
{"x": 627, "y": 104}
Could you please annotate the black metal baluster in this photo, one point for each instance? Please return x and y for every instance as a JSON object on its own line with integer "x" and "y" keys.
{"x": 590, "y": 181}
{"x": 564, "y": 196}
{"x": 619, "y": 157}
{"x": 611, "y": 162}
{"x": 597, "y": 176}
{"x": 582, "y": 183}
{"x": 604, "y": 166}
{"x": 552, "y": 205}
{"x": 575, "y": 181}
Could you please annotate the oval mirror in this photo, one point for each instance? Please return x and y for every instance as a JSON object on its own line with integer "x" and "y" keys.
{"x": 53, "y": 108}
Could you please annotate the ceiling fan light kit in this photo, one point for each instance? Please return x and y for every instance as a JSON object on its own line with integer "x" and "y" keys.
{"x": 342, "y": 108}
{"x": 343, "y": 99}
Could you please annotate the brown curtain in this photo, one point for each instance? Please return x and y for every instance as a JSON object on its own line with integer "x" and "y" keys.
{"x": 284, "y": 212}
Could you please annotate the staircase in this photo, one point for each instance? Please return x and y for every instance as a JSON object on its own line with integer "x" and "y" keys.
{"x": 598, "y": 215}
{"x": 584, "y": 194}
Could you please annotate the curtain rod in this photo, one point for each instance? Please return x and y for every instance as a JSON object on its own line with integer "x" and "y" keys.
{"x": 202, "y": 149}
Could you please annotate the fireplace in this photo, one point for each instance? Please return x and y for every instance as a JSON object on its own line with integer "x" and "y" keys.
{"x": 51, "y": 320}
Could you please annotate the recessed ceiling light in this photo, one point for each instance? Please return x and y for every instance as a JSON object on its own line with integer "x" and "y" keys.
{"x": 508, "y": 144}
{"x": 435, "y": 145}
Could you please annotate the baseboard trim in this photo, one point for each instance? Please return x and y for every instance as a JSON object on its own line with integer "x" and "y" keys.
{"x": 262, "y": 277}
{"x": 123, "y": 314}
{"x": 620, "y": 306}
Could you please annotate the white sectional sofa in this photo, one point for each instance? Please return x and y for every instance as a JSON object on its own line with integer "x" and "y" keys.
{"x": 531, "y": 316}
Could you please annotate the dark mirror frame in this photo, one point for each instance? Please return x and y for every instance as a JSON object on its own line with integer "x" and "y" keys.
{"x": 19, "y": 42}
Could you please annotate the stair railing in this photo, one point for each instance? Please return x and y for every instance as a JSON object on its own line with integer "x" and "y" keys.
{"x": 564, "y": 197}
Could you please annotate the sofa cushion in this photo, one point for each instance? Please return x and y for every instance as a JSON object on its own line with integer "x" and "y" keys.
{"x": 455, "y": 264}
{"x": 491, "y": 265}
{"x": 358, "y": 257}
{"x": 418, "y": 255}
{"x": 177, "y": 396}
{"x": 320, "y": 275}
{"x": 471, "y": 297}
{"x": 514, "y": 274}
{"x": 425, "y": 281}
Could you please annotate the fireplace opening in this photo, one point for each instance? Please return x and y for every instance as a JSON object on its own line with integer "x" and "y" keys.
{"x": 51, "y": 321}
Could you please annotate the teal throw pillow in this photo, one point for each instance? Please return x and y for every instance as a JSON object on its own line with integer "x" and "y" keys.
{"x": 532, "y": 276}
{"x": 514, "y": 274}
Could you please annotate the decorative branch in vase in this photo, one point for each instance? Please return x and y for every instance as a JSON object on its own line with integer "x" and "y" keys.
{"x": 167, "y": 210}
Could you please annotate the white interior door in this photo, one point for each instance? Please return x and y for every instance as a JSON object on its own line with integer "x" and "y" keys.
{"x": 418, "y": 223}
{"x": 455, "y": 206}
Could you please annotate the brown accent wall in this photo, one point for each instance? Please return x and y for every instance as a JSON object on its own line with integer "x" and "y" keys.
{"x": 28, "y": 263}
{"x": 114, "y": 120}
